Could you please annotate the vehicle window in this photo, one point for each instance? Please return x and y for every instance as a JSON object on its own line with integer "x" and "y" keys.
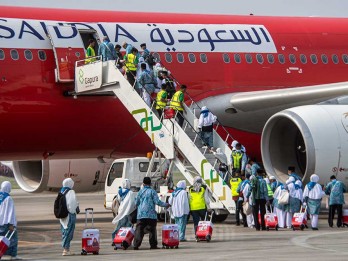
{"x": 270, "y": 58}
{"x": 303, "y": 58}
{"x": 143, "y": 166}
{"x": 42, "y": 55}
{"x": 259, "y": 58}
{"x": 281, "y": 58}
{"x": 2, "y": 54}
{"x": 237, "y": 58}
{"x": 203, "y": 57}
{"x": 28, "y": 55}
{"x": 248, "y": 58}
{"x": 180, "y": 57}
{"x": 345, "y": 58}
{"x": 314, "y": 59}
{"x": 324, "y": 59}
{"x": 226, "y": 58}
{"x": 335, "y": 59}
{"x": 292, "y": 58}
{"x": 14, "y": 54}
{"x": 168, "y": 57}
{"x": 157, "y": 57}
{"x": 192, "y": 57}
{"x": 116, "y": 171}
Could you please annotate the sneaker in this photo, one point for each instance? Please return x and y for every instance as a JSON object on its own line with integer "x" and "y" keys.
{"x": 66, "y": 253}
{"x": 204, "y": 147}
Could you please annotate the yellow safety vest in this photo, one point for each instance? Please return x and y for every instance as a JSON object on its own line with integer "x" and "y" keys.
{"x": 130, "y": 62}
{"x": 175, "y": 103}
{"x": 270, "y": 192}
{"x": 160, "y": 104}
{"x": 234, "y": 185}
{"x": 197, "y": 200}
{"x": 92, "y": 54}
{"x": 237, "y": 156}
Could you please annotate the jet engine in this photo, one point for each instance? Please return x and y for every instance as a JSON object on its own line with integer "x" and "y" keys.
{"x": 47, "y": 175}
{"x": 312, "y": 138}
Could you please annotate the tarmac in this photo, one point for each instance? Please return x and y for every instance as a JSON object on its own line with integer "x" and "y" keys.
{"x": 39, "y": 237}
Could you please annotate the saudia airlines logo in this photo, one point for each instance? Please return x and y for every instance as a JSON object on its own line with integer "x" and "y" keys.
{"x": 144, "y": 122}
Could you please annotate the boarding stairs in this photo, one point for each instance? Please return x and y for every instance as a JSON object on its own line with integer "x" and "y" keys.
{"x": 182, "y": 146}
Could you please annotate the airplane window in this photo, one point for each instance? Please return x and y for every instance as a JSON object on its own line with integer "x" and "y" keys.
{"x": 292, "y": 58}
{"x": 281, "y": 58}
{"x": 248, "y": 58}
{"x": 335, "y": 59}
{"x": 270, "y": 58}
{"x": 2, "y": 54}
{"x": 14, "y": 54}
{"x": 259, "y": 58}
{"x": 226, "y": 58}
{"x": 314, "y": 59}
{"x": 203, "y": 57}
{"x": 168, "y": 57}
{"x": 344, "y": 58}
{"x": 77, "y": 54}
{"x": 28, "y": 55}
{"x": 180, "y": 57}
{"x": 303, "y": 58}
{"x": 42, "y": 55}
{"x": 192, "y": 57}
{"x": 237, "y": 58}
{"x": 324, "y": 59}
{"x": 157, "y": 57}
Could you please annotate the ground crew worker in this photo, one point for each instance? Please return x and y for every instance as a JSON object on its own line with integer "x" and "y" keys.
{"x": 270, "y": 193}
{"x": 171, "y": 85}
{"x": 235, "y": 181}
{"x": 90, "y": 51}
{"x": 238, "y": 159}
{"x": 131, "y": 67}
{"x": 177, "y": 104}
{"x": 198, "y": 199}
{"x": 161, "y": 100}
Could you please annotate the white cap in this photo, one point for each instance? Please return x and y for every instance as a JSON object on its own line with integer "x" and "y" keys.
{"x": 272, "y": 177}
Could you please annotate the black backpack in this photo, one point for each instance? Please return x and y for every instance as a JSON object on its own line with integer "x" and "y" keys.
{"x": 60, "y": 207}
{"x": 150, "y": 60}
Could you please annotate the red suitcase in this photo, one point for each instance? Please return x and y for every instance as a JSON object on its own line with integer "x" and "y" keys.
{"x": 124, "y": 238}
{"x": 299, "y": 220}
{"x": 90, "y": 237}
{"x": 345, "y": 217}
{"x": 5, "y": 242}
{"x": 204, "y": 230}
{"x": 170, "y": 234}
{"x": 271, "y": 221}
{"x": 169, "y": 113}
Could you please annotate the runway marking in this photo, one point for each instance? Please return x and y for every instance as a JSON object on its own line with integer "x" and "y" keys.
{"x": 31, "y": 243}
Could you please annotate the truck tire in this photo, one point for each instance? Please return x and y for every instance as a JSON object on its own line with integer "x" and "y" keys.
{"x": 219, "y": 218}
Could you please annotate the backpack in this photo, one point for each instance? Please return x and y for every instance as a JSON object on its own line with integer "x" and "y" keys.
{"x": 60, "y": 207}
{"x": 150, "y": 60}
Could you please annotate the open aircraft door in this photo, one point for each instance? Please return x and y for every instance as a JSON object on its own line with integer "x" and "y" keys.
{"x": 68, "y": 48}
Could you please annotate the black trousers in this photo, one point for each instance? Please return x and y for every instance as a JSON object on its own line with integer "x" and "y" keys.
{"x": 131, "y": 78}
{"x": 198, "y": 215}
{"x": 332, "y": 210}
{"x": 160, "y": 112}
{"x": 150, "y": 225}
{"x": 239, "y": 210}
{"x": 260, "y": 205}
{"x": 180, "y": 118}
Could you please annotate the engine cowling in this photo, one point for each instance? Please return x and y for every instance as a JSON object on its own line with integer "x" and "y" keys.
{"x": 312, "y": 138}
{"x": 47, "y": 175}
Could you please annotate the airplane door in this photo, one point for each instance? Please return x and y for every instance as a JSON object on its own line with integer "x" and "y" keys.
{"x": 68, "y": 48}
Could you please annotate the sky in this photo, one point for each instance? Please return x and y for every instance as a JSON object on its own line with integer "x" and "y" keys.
{"x": 323, "y": 8}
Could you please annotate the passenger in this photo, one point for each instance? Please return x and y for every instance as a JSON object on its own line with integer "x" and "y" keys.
{"x": 126, "y": 200}
{"x": 220, "y": 156}
{"x": 241, "y": 200}
{"x": 161, "y": 100}
{"x": 177, "y": 103}
{"x": 292, "y": 173}
{"x": 199, "y": 200}
{"x": 90, "y": 51}
{"x": 274, "y": 183}
{"x": 205, "y": 127}
{"x": 8, "y": 220}
{"x": 146, "y": 200}
{"x": 68, "y": 223}
{"x": 119, "y": 58}
{"x": 295, "y": 199}
{"x": 246, "y": 190}
{"x": 254, "y": 167}
{"x": 234, "y": 182}
{"x": 146, "y": 53}
{"x": 180, "y": 207}
{"x": 107, "y": 50}
{"x": 335, "y": 190}
{"x": 171, "y": 85}
{"x": 128, "y": 47}
{"x": 131, "y": 68}
{"x": 279, "y": 209}
{"x": 238, "y": 159}
{"x": 270, "y": 194}
{"x": 312, "y": 195}
{"x": 260, "y": 199}
{"x": 234, "y": 143}
{"x": 147, "y": 82}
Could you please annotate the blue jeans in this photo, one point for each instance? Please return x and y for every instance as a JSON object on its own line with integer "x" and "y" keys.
{"x": 68, "y": 234}
{"x": 181, "y": 222}
{"x": 12, "y": 250}
{"x": 207, "y": 138}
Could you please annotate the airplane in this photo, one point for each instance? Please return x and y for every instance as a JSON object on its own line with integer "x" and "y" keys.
{"x": 246, "y": 69}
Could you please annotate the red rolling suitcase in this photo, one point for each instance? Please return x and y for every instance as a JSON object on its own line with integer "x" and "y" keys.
{"x": 169, "y": 113}
{"x": 345, "y": 217}
{"x": 90, "y": 237}
{"x": 271, "y": 220}
{"x": 204, "y": 230}
{"x": 5, "y": 242}
{"x": 170, "y": 234}
{"x": 124, "y": 238}
{"x": 299, "y": 220}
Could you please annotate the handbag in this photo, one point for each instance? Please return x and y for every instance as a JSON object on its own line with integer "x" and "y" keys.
{"x": 284, "y": 197}
{"x": 247, "y": 208}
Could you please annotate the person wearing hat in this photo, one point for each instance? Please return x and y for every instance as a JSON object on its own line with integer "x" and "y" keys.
{"x": 205, "y": 126}
{"x": 239, "y": 159}
{"x": 335, "y": 190}
{"x": 146, "y": 200}
{"x": 292, "y": 173}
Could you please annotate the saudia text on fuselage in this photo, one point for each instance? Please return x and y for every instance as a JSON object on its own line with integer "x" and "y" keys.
{"x": 159, "y": 37}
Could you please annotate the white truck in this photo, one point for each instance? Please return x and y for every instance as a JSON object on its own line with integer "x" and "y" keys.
{"x": 135, "y": 169}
